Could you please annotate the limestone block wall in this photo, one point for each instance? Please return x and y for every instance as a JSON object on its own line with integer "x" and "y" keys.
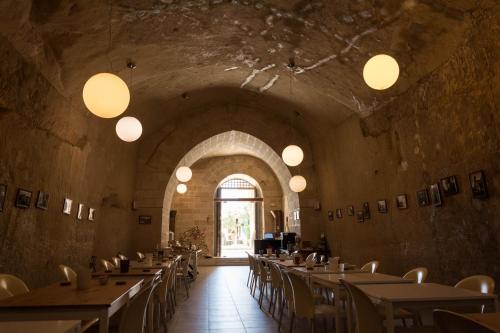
{"x": 447, "y": 125}
{"x": 196, "y": 206}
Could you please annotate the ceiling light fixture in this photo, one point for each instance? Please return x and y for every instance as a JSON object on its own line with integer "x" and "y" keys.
{"x": 129, "y": 129}
{"x": 184, "y": 174}
{"x": 292, "y": 155}
{"x": 182, "y": 188}
{"x": 297, "y": 183}
{"x": 381, "y": 72}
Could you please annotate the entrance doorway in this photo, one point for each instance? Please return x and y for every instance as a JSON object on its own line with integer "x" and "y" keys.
{"x": 238, "y": 209}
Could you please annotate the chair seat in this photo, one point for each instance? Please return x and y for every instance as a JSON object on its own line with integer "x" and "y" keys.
{"x": 324, "y": 310}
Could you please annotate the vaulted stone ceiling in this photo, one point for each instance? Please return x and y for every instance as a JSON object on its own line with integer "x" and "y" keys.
{"x": 182, "y": 48}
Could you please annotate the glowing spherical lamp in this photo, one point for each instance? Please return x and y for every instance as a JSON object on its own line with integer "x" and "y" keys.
{"x": 292, "y": 155}
{"x": 184, "y": 174}
{"x": 129, "y": 129}
{"x": 182, "y": 188}
{"x": 381, "y": 72}
{"x": 297, "y": 184}
{"x": 106, "y": 95}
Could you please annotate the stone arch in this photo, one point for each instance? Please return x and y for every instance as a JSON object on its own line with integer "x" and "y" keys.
{"x": 232, "y": 143}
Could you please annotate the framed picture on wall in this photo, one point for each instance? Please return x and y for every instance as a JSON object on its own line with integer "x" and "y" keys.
{"x": 338, "y": 213}
{"x": 435, "y": 195}
{"x": 360, "y": 216}
{"x": 478, "y": 185}
{"x": 330, "y": 215}
{"x": 43, "y": 200}
{"x": 67, "y": 206}
{"x": 79, "y": 215}
{"x": 350, "y": 210}
{"x": 382, "y": 206}
{"x": 3, "y": 195}
{"x": 423, "y": 198}
{"x": 449, "y": 185}
{"x": 91, "y": 216}
{"x": 23, "y": 198}
{"x": 366, "y": 211}
{"x": 145, "y": 219}
{"x": 401, "y": 202}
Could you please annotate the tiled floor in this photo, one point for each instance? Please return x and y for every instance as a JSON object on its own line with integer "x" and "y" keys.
{"x": 220, "y": 301}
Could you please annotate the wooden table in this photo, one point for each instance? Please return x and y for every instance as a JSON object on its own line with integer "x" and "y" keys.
{"x": 333, "y": 281}
{"x": 423, "y": 296}
{"x": 52, "y": 326}
{"x": 156, "y": 264}
{"x": 56, "y": 302}
{"x": 492, "y": 320}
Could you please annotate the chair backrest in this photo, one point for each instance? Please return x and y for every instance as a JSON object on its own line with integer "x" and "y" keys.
{"x": 276, "y": 280}
{"x": 171, "y": 278}
{"x": 11, "y": 285}
{"x": 185, "y": 264}
{"x": 122, "y": 257}
{"x": 115, "y": 261}
{"x": 480, "y": 283}
{"x": 250, "y": 261}
{"x": 262, "y": 270}
{"x": 311, "y": 257}
{"x": 417, "y": 275}
{"x": 451, "y": 322}
{"x": 140, "y": 255}
{"x": 371, "y": 266}
{"x": 365, "y": 314}
{"x": 69, "y": 274}
{"x": 108, "y": 266}
{"x": 133, "y": 318}
{"x": 303, "y": 301}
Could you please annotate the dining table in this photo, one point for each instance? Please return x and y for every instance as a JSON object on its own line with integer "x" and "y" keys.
{"x": 333, "y": 281}
{"x": 422, "y": 296}
{"x": 492, "y": 319}
{"x": 46, "y": 326}
{"x": 66, "y": 302}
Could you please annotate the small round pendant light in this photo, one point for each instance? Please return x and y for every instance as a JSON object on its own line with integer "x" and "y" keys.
{"x": 106, "y": 95}
{"x": 297, "y": 183}
{"x": 129, "y": 129}
{"x": 184, "y": 174}
{"x": 381, "y": 72}
{"x": 292, "y": 155}
{"x": 182, "y": 188}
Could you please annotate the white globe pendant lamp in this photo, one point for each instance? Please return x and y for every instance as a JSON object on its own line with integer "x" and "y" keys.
{"x": 297, "y": 183}
{"x": 292, "y": 155}
{"x": 129, "y": 129}
{"x": 182, "y": 188}
{"x": 106, "y": 95}
{"x": 381, "y": 72}
{"x": 183, "y": 174}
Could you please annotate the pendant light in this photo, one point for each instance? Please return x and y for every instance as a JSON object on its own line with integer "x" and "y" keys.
{"x": 381, "y": 72}
{"x": 297, "y": 183}
{"x": 129, "y": 129}
{"x": 182, "y": 188}
{"x": 292, "y": 155}
{"x": 183, "y": 174}
{"x": 105, "y": 94}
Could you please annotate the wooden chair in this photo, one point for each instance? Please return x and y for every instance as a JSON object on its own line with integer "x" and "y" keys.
{"x": 140, "y": 256}
{"x": 115, "y": 261}
{"x": 68, "y": 273}
{"x": 250, "y": 267}
{"x": 287, "y": 300}
{"x": 108, "y": 266}
{"x": 276, "y": 287}
{"x": 417, "y": 275}
{"x": 478, "y": 283}
{"x": 451, "y": 322}
{"x": 133, "y": 318}
{"x": 183, "y": 273}
{"x": 11, "y": 285}
{"x": 264, "y": 281}
{"x": 371, "y": 266}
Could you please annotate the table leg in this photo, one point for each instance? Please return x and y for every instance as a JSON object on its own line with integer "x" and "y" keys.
{"x": 389, "y": 317}
{"x": 338, "y": 317}
{"x": 103, "y": 322}
{"x": 349, "y": 319}
{"x": 151, "y": 311}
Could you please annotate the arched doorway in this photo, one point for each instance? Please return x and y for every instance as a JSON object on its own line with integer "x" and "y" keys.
{"x": 238, "y": 214}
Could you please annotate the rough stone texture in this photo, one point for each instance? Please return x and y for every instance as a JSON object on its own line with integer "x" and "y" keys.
{"x": 196, "y": 206}
{"x": 447, "y": 125}
{"x": 48, "y": 144}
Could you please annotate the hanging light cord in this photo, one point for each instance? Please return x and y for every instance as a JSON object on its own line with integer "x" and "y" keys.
{"x": 110, "y": 18}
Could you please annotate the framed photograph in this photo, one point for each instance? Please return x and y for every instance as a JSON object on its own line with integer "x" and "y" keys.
{"x": 423, "y": 198}
{"x": 91, "y": 215}
{"x": 23, "y": 198}
{"x": 401, "y": 202}
{"x": 382, "y": 206}
{"x": 435, "y": 196}
{"x": 67, "y": 206}
{"x": 338, "y": 213}
{"x": 350, "y": 210}
{"x": 3, "y": 195}
{"x": 330, "y": 215}
{"x": 145, "y": 219}
{"x": 360, "y": 216}
{"x": 42, "y": 202}
{"x": 79, "y": 215}
{"x": 449, "y": 185}
{"x": 478, "y": 185}
{"x": 366, "y": 211}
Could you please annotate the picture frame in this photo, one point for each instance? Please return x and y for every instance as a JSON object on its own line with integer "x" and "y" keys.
{"x": 401, "y": 201}
{"x": 360, "y": 216}
{"x": 350, "y": 210}
{"x": 382, "y": 206}
{"x": 338, "y": 213}
{"x": 366, "y": 211}
{"x": 79, "y": 214}
{"x": 23, "y": 198}
{"x": 449, "y": 185}
{"x": 42, "y": 202}
{"x": 435, "y": 195}
{"x": 478, "y": 185}
{"x": 3, "y": 196}
{"x": 423, "y": 198}
{"x": 67, "y": 206}
{"x": 145, "y": 219}
{"x": 330, "y": 215}
{"x": 91, "y": 215}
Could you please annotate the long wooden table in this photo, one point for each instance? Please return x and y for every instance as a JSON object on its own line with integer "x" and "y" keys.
{"x": 56, "y": 302}
{"x": 52, "y": 326}
{"x": 492, "y": 320}
{"x": 333, "y": 281}
{"x": 423, "y": 296}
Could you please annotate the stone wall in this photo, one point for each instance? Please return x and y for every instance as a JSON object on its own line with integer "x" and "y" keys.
{"x": 196, "y": 206}
{"x": 50, "y": 143}
{"x": 447, "y": 125}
